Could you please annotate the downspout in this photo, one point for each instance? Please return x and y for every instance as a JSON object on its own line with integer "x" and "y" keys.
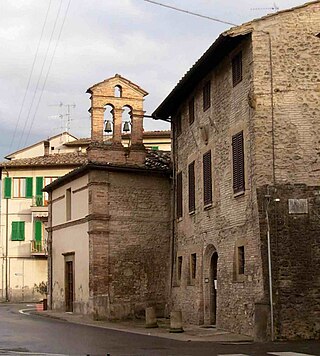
{"x": 173, "y": 212}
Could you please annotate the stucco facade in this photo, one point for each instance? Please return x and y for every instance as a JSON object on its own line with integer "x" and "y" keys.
{"x": 251, "y": 103}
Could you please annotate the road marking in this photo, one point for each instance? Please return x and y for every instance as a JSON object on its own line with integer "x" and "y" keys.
{"x": 232, "y": 355}
{"x": 285, "y": 353}
{"x": 26, "y": 311}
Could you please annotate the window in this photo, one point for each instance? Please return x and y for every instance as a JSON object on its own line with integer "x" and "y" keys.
{"x": 238, "y": 163}
{"x": 191, "y": 111}
{"x": 237, "y": 69}
{"x": 207, "y": 179}
{"x": 193, "y": 265}
{"x": 241, "y": 260}
{"x": 47, "y": 181}
{"x": 68, "y": 204}
{"x": 17, "y": 231}
{"x": 22, "y": 187}
{"x": 207, "y": 96}
{"x": 179, "y": 195}
{"x": 39, "y": 186}
{"x": 191, "y": 177}
{"x": 178, "y": 125}
{"x": 179, "y": 268}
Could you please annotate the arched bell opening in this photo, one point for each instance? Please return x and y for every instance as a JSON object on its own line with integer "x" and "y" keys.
{"x": 118, "y": 91}
{"x": 108, "y": 121}
{"x": 126, "y": 127}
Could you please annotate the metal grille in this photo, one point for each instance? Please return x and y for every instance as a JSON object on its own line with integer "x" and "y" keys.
{"x": 207, "y": 179}
{"x": 238, "y": 162}
{"x": 237, "y": 69}
{"x": 192, "y": 202}
{"x": 179, "y": 195}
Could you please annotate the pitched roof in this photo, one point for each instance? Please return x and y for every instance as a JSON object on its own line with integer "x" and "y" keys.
{"x": 222, "y": 46}
{"x": 131, "y": 84}
{"x": 158, "y": 162}
{"x": 58, "y": 159}
{"x": 87, "y": 140}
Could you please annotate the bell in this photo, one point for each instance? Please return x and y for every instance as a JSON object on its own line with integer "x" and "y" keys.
{"x": 126, "y": 127}
{"x": 108, "y": 126}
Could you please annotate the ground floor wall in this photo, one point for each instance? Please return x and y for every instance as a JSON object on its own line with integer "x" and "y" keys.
{"x": 23, "y": 274}
{"x": 294, "y": 228}
{"x": 70, "y": 269}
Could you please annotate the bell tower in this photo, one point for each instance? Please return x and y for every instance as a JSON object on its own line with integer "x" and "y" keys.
{"x": 116, "y": 109}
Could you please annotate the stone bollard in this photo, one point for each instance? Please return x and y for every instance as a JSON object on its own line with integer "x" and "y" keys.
{"x": 151, "y": 319}
{"x": 176, "y": 322}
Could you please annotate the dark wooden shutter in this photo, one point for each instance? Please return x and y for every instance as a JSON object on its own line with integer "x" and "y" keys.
{"x": 39, "y": 186}
{"x": 178, "y": 127}
{"x": 207, "y": 178}
{"x": 17, "y": 231}
{"x": 179, "y": 195}
{"x": 192, "y": 198}
{"x": 7, "y": 187}
{"x": 238, "y": 162}
{"x": 207, "y": 95}
{"x": 191, "y": 111}
{"x": 237, "y": 69}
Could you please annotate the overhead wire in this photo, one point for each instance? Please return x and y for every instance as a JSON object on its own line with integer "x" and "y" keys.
{"x": 30, "y": 76}
{"x": 48, "y": 71}
{"x": 190, "y": 12}
{"x": 40, "y": 75}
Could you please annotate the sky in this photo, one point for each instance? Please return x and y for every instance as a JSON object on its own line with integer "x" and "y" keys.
{"x": 52, "y": 51}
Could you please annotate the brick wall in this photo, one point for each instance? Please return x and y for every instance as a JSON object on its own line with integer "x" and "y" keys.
{"x": 129, "y": 243}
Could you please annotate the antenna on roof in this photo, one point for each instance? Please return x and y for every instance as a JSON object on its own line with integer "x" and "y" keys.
{"x": 67, "y": 114}
{"x": 274, "y": 8}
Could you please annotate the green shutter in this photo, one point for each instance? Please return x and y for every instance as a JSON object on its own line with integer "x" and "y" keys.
{"x": 38, "y": 230}
{"x": 39, "y": 186}
{"x": 7, "y": 187}
{"x": 17, "y": 232}
{"x": 29, "y": 182}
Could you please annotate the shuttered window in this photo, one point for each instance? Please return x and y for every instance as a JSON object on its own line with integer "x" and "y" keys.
{"x": 237, "y": 69}
{"x": 179, "y": 195}
{"x": 29, "y": 187}
{"x": 17, "y": 231}
{"x": 191, "y": 178}
{"x": 241, "y": 260}
{"x": 207, "y": 96}
{"x": 178, "y": 126}
{"x": 39, "y": 186}
{"x": 191, "y": 111}
{"x": 207, "y": 179}
{"x": 238, "y": 163}
{"x": 7, "y": 188}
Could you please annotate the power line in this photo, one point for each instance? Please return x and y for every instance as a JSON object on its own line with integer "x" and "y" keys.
{"x": 190, "y": 12}
{"x": 40, "y": 74}
{"x": 48, "y": 71}
{"x": 30, "y": 76}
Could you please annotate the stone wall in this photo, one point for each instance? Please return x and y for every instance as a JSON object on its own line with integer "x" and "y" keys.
{"x": 129, "y": 233}
{"x": 294, "y": 215}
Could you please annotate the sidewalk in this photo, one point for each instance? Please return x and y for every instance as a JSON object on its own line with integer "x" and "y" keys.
{"x": 137, "y": 326}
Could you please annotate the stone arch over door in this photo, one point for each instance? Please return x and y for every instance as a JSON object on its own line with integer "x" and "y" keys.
{"x": 210, "y": 292}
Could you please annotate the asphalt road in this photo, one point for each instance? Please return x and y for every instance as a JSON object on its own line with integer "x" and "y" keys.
{"x": 31, "y": 334}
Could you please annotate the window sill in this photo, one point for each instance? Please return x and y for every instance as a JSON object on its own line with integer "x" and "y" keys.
{"x": 239, "y": 194}
{"x": 208, "y": 206}
{"x": 179, "y": 219}
{"x": 193, "y": 212}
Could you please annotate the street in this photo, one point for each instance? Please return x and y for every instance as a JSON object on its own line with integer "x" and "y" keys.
{"x": 22, "y": 334}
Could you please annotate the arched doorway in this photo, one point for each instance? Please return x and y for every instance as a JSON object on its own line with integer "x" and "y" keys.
{"x": 210, "y": 285}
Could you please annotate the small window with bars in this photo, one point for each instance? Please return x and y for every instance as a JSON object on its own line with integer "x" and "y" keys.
{"x": 241, "y": 260}
{"x": 191, "y": 111}
{"x": 192, "y": 197}
{"x": 193, "y": 265}
{"x": 207, "y": 96}
{"x": 207, "y": 179}
{"x": 178, "y": 127}
{"x": 238, "y": 163}
{"x": 237, "y": 69}
{"x": 179, "y": 195}
{"x": 179, "y": 268}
